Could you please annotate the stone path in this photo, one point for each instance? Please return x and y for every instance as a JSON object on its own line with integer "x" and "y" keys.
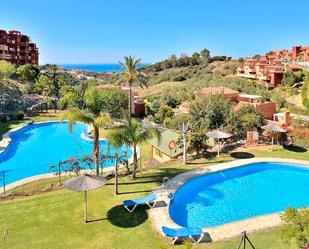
{"x": 160, "y": 215}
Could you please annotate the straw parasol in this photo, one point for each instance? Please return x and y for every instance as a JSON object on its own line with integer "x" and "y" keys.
{"x": 84, "y": 183}
{"x": 217, "y": 134}
{"x": 273, "y": 129}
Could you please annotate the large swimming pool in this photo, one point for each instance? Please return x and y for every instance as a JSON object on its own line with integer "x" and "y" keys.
{"x": 239, "y": 193}
{"x": 33, "y": 148}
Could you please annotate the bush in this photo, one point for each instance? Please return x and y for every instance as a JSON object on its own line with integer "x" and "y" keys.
{"x": 296, "y": 227}
{"x": 20, "y": 115}
{"x": 3, "y": 118}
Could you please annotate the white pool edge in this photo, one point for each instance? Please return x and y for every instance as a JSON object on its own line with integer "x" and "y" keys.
{"x": 160, "y": 215}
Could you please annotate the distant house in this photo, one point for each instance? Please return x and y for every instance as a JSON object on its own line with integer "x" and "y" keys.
{"x": 166, "y": 148}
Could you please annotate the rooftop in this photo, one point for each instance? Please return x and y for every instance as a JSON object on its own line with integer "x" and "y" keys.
{"x": 218, "y": 90}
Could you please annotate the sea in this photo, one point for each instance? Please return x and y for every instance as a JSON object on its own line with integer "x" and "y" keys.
{"x": 112, "y": 67}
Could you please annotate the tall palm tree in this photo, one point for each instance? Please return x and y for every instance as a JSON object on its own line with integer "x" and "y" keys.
{"x": 131, "y": 75}
{"x": 92, "y": 115}
{"x": 131, "y": 134}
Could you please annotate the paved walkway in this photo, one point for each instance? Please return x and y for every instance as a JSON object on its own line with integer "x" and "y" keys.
{"x": 160, "y": 215}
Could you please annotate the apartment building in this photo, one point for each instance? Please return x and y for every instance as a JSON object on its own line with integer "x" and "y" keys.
{"x": 269, "y": 68}
{"x": 17, "y": 48}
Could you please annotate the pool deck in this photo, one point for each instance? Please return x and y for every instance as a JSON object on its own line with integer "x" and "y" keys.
{"x": 4, "y": 143}
{"x": 160, "y": 215}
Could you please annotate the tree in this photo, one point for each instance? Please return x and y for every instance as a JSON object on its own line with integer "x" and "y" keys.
{"x": 207, "y": 113}
{"x": 119, "y": 157}
{"x": 296, "y": 227}
{"x": 7, "y": 69}
{"x": 195, "y": 59}
{"x": 44, "y": 86}
{"x": 131, "y": 134}
{"x": 91, "y": 115}
{"x": 205, "y": 55}
{"x": 247, "y": 119}
{"x": 28, "y": 72}
{"x": 210, "y": 112}
{"x": 163, "y": 113}
{"x": 73, "y": 97}
{"x": 131, "y": 75}
{"x": 115, "y": 102}
{"x": 173, "y": 60}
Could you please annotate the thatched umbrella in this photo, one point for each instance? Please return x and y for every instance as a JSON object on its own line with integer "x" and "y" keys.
{"x": 84, "y": 183}
{"x": 217, "y": 134}
{"x": 272, "y": 128}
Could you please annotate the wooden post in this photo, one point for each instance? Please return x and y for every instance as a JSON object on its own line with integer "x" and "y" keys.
{"x": 116, "y": 174}
{"x": 59, "y": 172}
{"x": 86, "y": 207}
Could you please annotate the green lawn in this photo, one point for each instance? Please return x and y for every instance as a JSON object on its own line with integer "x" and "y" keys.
{"x": 55, "y": 219}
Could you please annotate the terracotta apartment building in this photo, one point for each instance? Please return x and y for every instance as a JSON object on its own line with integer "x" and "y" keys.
{"x": 17, "y": 48}
{"x": 270, "y": 67}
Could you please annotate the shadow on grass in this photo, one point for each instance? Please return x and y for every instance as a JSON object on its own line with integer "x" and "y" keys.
{"x": 241, "y": 155}
{"x": 120, "y": 217}
{"x": 294, "y": 148}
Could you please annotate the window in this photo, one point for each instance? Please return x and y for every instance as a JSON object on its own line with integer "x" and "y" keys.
{"x": 159, "y": 153}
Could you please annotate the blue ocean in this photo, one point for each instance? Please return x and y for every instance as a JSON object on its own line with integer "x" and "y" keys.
{"x": 113, "y": 67}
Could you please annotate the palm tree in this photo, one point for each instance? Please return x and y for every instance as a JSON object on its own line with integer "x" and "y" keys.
{"x": 130, "y": 75}
{"x": 93, "y": 116}
{"x": 131, "y": 134}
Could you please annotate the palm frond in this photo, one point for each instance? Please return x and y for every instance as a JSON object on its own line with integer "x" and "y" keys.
{"x": 103, "y": 120}
{"x": 75, "y": 115}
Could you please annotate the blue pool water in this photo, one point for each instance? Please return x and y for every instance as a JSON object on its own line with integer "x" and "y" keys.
{"x": 35, "y": 147}
{"x": 239, "y": 193}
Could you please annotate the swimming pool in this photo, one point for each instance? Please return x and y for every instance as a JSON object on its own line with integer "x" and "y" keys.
{"x": 238, "y": 193}
{"x": 33, "y": 148}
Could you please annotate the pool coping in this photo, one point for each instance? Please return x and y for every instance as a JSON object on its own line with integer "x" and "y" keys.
{"x": 160, "y": 215}
{"x": 6, "y": 140}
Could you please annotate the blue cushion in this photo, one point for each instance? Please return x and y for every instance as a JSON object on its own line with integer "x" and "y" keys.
{"x": 138, "y": 201}
{"x": 182, "y": 232}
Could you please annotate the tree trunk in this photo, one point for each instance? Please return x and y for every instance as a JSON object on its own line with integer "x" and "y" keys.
{"x": 116, "y": 175}
{"x": 184, "y": 137}
{"x": 134, "y": 161}
{"x": 130, "y": 99}
{"x": 96, "y": 149}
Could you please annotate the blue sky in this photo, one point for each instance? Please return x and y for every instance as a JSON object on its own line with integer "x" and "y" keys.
{"x": 101, "y": 31}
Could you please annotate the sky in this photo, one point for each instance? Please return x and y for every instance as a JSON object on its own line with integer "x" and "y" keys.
{"x": 101, "y": 31}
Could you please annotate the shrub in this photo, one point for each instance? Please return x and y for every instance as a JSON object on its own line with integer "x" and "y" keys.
{"x": 296, "y": 227}
{"x": 3, "y": 118}
{"x": 20, "y": 115}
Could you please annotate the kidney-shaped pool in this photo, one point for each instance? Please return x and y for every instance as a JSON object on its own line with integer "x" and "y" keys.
{"x": 33, "y": 148}
{"x": 234, "y": 194}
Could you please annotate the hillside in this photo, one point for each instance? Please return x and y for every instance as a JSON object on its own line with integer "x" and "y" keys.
{"x": 14, "y": 95}
{"x": 192, "y": 76}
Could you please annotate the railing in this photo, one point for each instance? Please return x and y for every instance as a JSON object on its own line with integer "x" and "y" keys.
{"x": 166, "y": 179}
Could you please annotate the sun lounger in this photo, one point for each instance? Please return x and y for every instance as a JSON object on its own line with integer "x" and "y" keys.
{"x": 176, "y": 233}
{"x": 149, "y": 200}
